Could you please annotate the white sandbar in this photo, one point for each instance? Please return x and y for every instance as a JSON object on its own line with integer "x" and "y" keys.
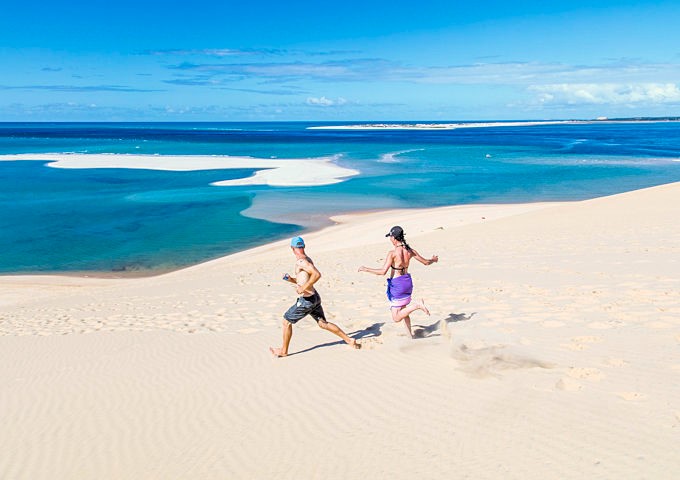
{"x": 456, "y": 125}
{"x": 274, "y": 172}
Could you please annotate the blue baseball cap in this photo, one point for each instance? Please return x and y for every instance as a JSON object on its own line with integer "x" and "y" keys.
{"x": 297, "y": 242}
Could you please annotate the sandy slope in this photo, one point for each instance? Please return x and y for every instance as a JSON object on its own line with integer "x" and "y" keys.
{"x": 552, "y": 351}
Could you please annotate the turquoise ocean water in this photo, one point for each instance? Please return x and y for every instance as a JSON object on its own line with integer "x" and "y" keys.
{"x": 132, "y": 220}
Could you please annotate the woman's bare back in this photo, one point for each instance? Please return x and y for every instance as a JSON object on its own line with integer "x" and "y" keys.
{"x": 401, "y": 258}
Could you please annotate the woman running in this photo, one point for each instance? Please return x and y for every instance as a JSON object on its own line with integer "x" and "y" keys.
{"x": 400, "y": 284}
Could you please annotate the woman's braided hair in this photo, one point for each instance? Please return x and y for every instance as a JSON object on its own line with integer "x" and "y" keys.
{"x": 400, "y": 238}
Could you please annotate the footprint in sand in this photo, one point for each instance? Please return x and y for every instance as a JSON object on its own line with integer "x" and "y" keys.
{"x": 587, "y": 339}
{"x": 247, "y": 331}
{"x": 631, "y": 396}
{"x": 581, "y": 343}
{"x": 369, "y": 343}
{"x": 658, "y": 325}
{"x": 604, "y": 325}
{"x": 614, "y": 362}
{"x": 552, "y": 324}
{"x": 568, "y": 385}
{"x": 590, "y": 374}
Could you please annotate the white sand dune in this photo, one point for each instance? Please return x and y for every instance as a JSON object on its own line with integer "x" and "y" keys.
{"x": 552, "y": 351}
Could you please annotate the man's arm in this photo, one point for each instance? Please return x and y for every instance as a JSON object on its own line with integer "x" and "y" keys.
{"x": 311, "y": 270}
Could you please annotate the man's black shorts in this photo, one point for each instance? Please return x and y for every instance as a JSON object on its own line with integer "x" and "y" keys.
{"x": 306, "y": 306}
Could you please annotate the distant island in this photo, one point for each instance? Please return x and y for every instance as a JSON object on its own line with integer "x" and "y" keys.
{"x": 473, "y": 124}
{"x": 640, "y": 119}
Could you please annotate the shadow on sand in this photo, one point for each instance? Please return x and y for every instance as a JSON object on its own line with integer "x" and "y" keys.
{"x": 375, "y": 330}
{"x": 372, "y": 331}
{"x": 432, "y": 330}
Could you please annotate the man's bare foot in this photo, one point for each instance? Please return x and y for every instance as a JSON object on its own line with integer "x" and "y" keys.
{"x": 277, "y": 352}
{"x": 355, "y": 344}
{"x": 421, "y": 306}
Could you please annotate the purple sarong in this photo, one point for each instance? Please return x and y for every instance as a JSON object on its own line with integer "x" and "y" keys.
{"x": 399, "y": 290}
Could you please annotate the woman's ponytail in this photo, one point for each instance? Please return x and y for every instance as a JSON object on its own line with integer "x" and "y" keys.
{"x": 401, "y": 239}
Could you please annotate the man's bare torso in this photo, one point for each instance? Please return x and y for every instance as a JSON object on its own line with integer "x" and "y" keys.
{"x": 301, "y": 276}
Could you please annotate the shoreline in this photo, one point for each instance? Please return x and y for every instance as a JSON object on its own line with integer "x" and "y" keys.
{"x": 344, "y": 223}
{"x": 499, "y": 210}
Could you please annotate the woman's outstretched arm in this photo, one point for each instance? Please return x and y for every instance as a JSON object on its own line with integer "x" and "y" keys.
{"x": 380, "y": 271}
{"x": 424, "y": 261}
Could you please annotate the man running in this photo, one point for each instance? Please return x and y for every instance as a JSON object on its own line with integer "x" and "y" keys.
{"x": 308, "y": 302}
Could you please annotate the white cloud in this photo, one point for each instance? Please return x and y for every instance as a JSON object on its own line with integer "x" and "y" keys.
{"x": 212, "y": 52}
{"x": 381, "y": 70}
{"x": 606, "y": 93}
{"x": 326, "y": 102}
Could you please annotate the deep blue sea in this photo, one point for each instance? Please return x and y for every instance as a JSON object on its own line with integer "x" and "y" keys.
{"x": 133, "y": 220}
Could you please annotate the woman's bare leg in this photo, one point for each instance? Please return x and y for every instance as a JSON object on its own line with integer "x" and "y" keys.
{"x": 408, "y": 309}
{"x": 398, "y": 316}
{"x": 403, "y": 313}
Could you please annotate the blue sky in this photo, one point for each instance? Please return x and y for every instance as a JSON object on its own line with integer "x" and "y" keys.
{"x": 353, "y": 60}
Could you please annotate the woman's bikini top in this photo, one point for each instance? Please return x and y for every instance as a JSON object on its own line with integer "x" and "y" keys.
{"x": 398, "y": 269}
